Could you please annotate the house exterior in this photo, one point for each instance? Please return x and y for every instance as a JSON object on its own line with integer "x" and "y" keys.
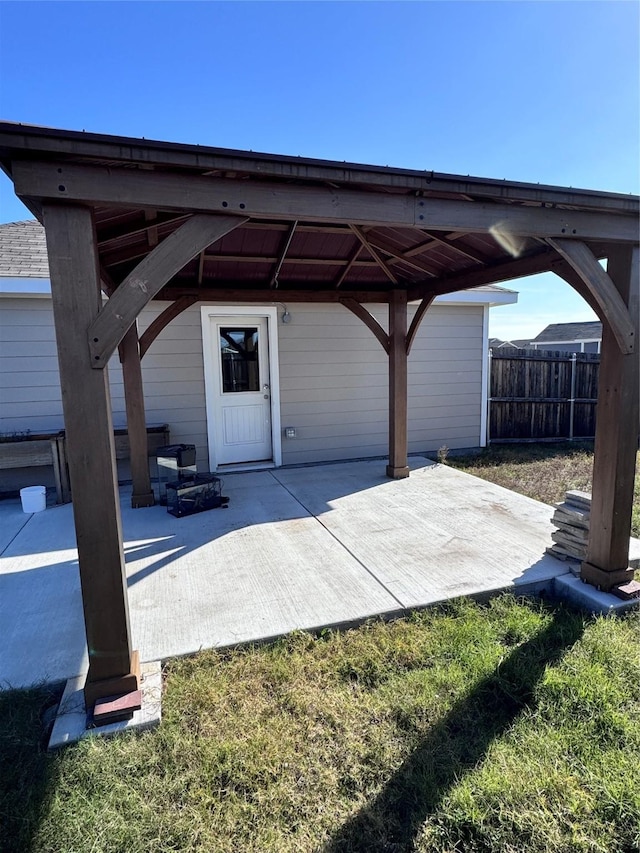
{"x": 320, "y": 403}
{"x": 570, "y": 337}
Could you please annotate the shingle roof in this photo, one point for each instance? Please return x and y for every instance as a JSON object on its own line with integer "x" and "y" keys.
{"x": 23, "y": 250}
{"x": 571, "y": 332}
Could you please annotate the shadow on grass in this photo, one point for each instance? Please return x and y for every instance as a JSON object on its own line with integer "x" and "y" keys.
{"x": 28, "y": 774}
{"x": 455, "y": 745}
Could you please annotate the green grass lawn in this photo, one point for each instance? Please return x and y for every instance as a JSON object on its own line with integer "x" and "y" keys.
{"x": 541, "y": 471}
{"x": 511, "y": 726}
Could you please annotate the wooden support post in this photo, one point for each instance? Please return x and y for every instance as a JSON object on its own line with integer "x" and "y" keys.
{"x": 616, "y": 443}
{"x": 141, "y": 492}
{"x": 397, "y": 467}
{"x": 75, "y": 291}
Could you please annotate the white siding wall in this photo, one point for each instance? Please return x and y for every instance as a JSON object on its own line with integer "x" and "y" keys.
{"x": 30, "y": 383}
{"x": 333, "y": 376}
{"x": 334, "y": 383}
{"x": 173, "y": 378}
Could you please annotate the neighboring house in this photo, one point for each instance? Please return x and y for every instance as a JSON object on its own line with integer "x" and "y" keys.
{"x": 335, "y": 398}
{"x": 570, "y": 337}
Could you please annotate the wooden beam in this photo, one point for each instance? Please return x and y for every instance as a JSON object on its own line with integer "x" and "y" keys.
{"x": 613, "y": 310}
{"x": 616, "y": 441}
{"x": 230, "y": 293}
{"x": 132, "y": 253}
{"x": 137, "y": 188}
{"x": 162, "y": 320}
{"x": 141, "y": 491}
{"x": 504, "y": 271}
{"x": 151, "y": 274}
{"x": 397, "y": 468}
{"x": 370, "y": 322}
{"x": 283, "y": 253}
{"x": 421, "y": 310}
{"x": 374, "y": 254}
{"x": 75, "y": 294}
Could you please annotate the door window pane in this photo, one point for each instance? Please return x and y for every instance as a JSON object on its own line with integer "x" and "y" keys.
{"x": 239, "y": 360}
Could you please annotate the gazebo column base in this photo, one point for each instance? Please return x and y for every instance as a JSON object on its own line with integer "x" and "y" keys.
{"x": 397, "y": 473}
{"x": 140, "y": 501}
{"x": 604, "y": 580}
{"x": 99, "y": 689}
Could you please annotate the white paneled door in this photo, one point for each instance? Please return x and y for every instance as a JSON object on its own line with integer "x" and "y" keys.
{"x": 241, "y": 389}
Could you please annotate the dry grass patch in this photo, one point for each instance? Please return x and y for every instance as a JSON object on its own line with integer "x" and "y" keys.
{"x": 504, "y": 727}
{"x": 540, "y": 471}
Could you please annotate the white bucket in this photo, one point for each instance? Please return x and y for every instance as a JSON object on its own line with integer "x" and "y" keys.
{"x": 34, "y": 498}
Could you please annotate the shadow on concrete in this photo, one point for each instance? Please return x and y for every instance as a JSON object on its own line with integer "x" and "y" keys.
{"x": 454, "y": 746}
{"x": 432, "y": 559}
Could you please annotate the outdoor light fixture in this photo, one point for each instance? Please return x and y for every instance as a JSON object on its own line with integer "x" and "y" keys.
{"x": 286, "y": 317}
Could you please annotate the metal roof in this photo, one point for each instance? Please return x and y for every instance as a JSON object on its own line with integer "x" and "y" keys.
{"x": 296, "y": 248}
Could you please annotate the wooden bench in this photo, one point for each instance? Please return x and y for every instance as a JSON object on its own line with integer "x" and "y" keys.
{"x": 39, "y": 449}
{"x": 51, "y": 449}
{"x": 157, "y": 436}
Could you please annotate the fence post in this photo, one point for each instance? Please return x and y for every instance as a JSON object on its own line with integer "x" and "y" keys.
{"x": 572, "y": 399}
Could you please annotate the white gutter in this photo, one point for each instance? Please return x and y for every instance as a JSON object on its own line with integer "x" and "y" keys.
{"x": 484, "y": 394}
{"x": 18, "y": 286}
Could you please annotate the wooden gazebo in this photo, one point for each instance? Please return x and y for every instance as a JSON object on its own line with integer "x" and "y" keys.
{"x": 141, "y": 220}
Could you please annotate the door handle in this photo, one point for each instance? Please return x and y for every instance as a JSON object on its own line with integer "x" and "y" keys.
{"x": 265, "y": 387}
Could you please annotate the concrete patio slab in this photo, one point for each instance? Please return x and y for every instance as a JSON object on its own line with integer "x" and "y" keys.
{"x": 261, "y": 568}
{"x": 13, "y": 520}
{"x": 297, "y": 548}
{"x": 458, "y": 535}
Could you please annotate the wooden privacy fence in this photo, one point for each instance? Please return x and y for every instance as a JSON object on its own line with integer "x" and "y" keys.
{"x": 541, "y": 395}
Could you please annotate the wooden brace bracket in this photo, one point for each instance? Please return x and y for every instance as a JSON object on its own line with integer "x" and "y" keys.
{"x": 149, "y": 277}
{"x": 369, "y": 321}
{"x": 372, "y": 324}
{"x": 612, "y": 308}
{"x": 417, "y": 319}
{"x": 162, "y": 320}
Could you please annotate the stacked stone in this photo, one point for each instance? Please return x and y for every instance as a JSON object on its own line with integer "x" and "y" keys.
{"x": 572, "y": 520}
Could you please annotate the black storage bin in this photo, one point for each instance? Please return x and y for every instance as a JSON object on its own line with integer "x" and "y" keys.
{"x": 174, "y": 462}
{"x": 186, "y": 497}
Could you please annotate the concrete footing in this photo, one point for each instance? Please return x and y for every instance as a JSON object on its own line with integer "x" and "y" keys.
{"x": 71, "y": 720}
{"x": 587, "y": 597}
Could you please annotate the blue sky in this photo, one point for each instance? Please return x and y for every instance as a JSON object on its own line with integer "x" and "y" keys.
{"x": 545, "y": 91}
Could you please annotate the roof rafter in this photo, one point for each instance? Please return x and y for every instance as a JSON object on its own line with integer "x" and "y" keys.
{"x": 283, "y": 253}
{"x": 350, "y": 263}
{"x": 478, "y": 257}
{"x": 374, "y": 254}
{"x": 399, "y": 256}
